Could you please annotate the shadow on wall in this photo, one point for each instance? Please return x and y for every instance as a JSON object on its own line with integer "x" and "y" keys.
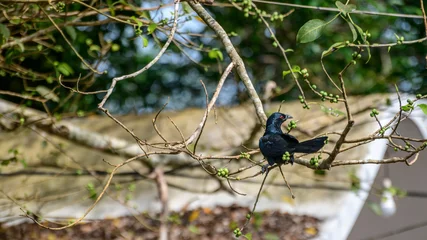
{"x": 410, "y": 210}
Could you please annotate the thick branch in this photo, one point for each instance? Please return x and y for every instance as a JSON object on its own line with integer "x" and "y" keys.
{"x": 237, "y": 60}
{"x": 73, "y": 133}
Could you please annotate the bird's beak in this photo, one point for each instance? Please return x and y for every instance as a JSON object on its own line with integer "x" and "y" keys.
{"x": 289, "y": 116}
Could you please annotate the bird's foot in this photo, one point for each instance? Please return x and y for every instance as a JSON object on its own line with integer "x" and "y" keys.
{"x": 264, "y": 168}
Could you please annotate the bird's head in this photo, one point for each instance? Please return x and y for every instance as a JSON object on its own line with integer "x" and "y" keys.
{"x": 276, "y": 119}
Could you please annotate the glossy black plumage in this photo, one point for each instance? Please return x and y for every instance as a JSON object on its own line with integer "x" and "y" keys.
{"x": 274, "y": 143}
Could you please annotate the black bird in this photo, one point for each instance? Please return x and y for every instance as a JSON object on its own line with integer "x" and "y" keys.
{"x": 274, "y": 143}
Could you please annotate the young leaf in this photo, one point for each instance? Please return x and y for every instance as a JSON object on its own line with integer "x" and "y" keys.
{"x": 47, "y": 93}
{"x": 220, "y": 56}
{"x": 151, "y": 28}
{"x": 369, "y": 52}
{"x": 333, "y": 48}
{"x": 248, "y": 236}
{"x": 406, "y": 108}
{"x": 215, "y": 54}
{"x": 284, "y": 73}
{"x": 353, "y": 31}
{"x": 359, "y": 29}
{"x": 194, "y": 229}
{"x": 310, "y": 31}
{"x": 5, "y": 162}
{"x": 423, "y": 108}
{"x": 212, "y": 54}
{"x": 375, "y": 208}
{"x": 345, "y": 9}
{"x": 144, "y": 42}
{"x": 4, "y": 33}
{"x": 296, "y": 68}
{"x": 111, "y": 7}
{"x": 71, "y": 31}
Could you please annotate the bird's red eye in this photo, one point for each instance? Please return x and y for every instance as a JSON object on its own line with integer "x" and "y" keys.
{"x": 281, "y": 117}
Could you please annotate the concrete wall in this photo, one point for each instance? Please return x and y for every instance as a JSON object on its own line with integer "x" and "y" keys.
{"x": 410, "y": 210}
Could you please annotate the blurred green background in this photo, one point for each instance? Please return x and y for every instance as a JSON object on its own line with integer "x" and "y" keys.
{"x": 117, "y": 48}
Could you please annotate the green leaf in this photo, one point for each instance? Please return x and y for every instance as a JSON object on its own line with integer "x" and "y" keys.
{"x": 24, "y": 163}
{"x": 296, "y": 68}
{"x": 248, "y": 236}
{"x": 212, "y": 54}
{"x": 310, "y": 31}
{"x": 132, "y": 187}
{"x": 215, "y": 54}
{"x": 21, "y": 47}
{"x": 359, "y": 29}
{"x": 345, "y": 9}
{"x": 144, "y": 42}
{"x": 5, "y": 162}
{"x": 284, "y": 73}
{"x": 320, "y": 172}
{"x": 353, "y": 31}
{"x": 375, "y": 208}
{"x": 220, "y": 56}
{"x": 111, "y": 7}
{"x": 94, "y": 48}
{"x": 151, "y": 28}
{"x": 4, "y": 33}
{"x": 423, "y": 108}
{"x": 71, "y": 31}
{"x": 194, "y": 229}
{"x": 80, "y": 113}
{"x": 271, "y": 236}
{"x": 47, "y": 93}
{"x": 333, "y": 48}
{"x": 49, "y": 79}
{"x": 14, "y": 151}
{"x": 137, "y": 21}
{"x": 406, "y": 108}
{"x": 65, "y": 69}
{"x": 15, "y": 20}
{"x": 369, "y": 52}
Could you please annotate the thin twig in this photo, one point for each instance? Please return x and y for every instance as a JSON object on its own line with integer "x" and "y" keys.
{"x": 337, "y": 10}
{"x": 248, "y": 218}
{"x": 229, "y": 184}
{"x": 155, "y": 121}
{"x": 287, "y": 184}
{"x": 104, "y": 190}
{"x": 198, "y": 132}
{"x": 77, "y": 88}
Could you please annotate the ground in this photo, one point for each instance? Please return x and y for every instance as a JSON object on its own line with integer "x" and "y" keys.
{"x": 201, "y": 224}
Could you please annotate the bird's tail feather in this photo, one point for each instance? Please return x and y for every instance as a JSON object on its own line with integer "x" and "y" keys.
{"x": 311, "y": 146}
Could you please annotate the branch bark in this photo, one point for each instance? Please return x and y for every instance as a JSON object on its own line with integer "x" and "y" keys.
{"x": 235, "y": 57}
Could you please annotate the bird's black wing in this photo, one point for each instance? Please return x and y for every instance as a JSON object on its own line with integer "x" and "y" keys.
{"x": 291, "y": 141}
{"x": 272, "y": 145}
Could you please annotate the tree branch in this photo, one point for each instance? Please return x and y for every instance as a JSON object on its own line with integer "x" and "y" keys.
{"x": 237, "y": 60}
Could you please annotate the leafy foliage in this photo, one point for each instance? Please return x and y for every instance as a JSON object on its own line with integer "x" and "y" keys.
{"x": 116, "y": 47}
